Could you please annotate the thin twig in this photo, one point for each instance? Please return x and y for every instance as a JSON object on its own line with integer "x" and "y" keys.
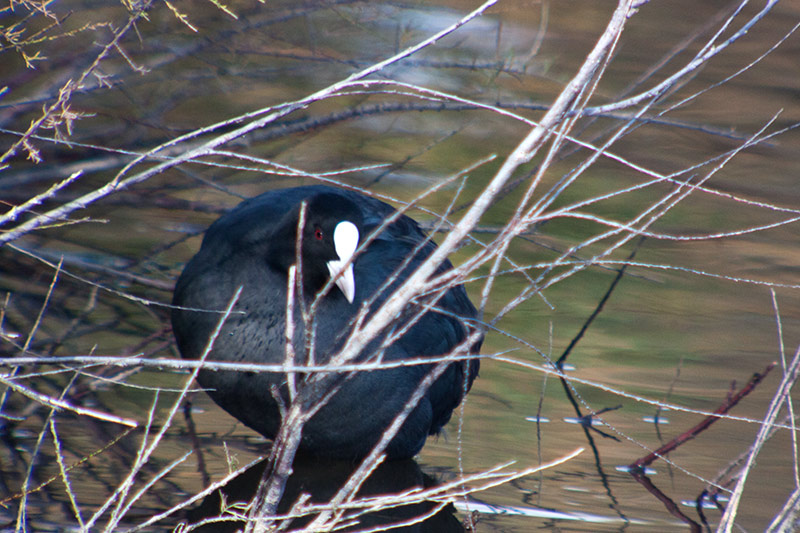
{"x": 689, "y": 434}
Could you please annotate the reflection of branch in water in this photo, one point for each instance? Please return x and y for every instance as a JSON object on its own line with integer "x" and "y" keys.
{"x": 600, "y": 305}
{"x": 671, "y": 506}
{"x": 597, "y": 462}
{"x": 637, "y": 468}
{"x": 586, "y": 420}
{"x": 191, "y": 429}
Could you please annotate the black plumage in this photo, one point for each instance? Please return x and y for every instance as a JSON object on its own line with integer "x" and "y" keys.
{"x": 253, "y": 246}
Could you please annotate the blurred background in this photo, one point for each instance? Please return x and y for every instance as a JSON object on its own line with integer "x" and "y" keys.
{"x": 709, "y": 298}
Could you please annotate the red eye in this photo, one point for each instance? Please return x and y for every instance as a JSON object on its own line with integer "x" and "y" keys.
{"x": 318, "y": 234}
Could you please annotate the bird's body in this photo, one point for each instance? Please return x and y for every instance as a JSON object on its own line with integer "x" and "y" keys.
{"x": 253, "y": 246}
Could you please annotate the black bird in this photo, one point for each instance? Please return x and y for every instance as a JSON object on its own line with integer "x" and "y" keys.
{"x": 253, "y": 246}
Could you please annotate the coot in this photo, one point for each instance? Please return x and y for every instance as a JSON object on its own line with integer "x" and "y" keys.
{"x": 253, "y": 246}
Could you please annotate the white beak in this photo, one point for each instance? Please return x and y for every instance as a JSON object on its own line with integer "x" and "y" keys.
{"x": 345, "y": 280}
{"x": 345, "y": 242}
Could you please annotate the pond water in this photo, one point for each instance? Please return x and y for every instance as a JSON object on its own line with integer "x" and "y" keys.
{"x": 710, "y": 296}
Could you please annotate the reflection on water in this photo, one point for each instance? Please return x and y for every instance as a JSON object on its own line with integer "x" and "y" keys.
{"x": 320, "y": 480}
{"x": 690, "y": 321}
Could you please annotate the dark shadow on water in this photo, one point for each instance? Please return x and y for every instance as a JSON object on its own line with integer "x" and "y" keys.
{"x": 321, "y": 479}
